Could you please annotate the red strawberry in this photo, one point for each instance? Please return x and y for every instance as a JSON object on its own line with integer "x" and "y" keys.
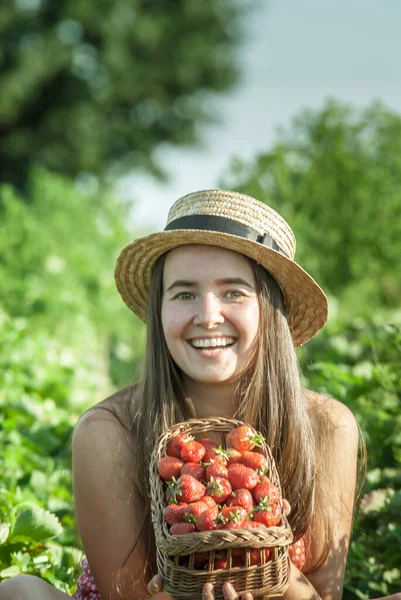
{"x": 192, "y": 451}
{"x": 194, "y": 469}
{"x": 266, "y": 489}
{"x": 209, "y": 501}
{"x": 267, "y": 513}
{"x": 216, "y": 469}
{"x": 219, "y": 489}
{"x": 239, "y": 561}
{"x": 175, "y": 445}
{"x": 259, "y": 556}
{"x": 208, "y": 443}
{"x": 194, "y": 510}
{"x": 235, "y": 456}
{"x": 207, "y": 521}
{"x": 182, "y": 528}
{"x": 233, "y": 517}
{"x": 254, "y": 460}
{"x": 174, "y": 513}
{"x": 297, "y": 553}
{"x": 242, "y": 477}
{"x": 220, "y": 560}
{"x": 201, "y": 558}
{"x": 241, "y": 498}
{"x": 253, "y": 525}
{"x": 243, "y": 438}
{"x": 169, "y": 467}
{"x": 186, "y": 489}
{"x": 216, "y": 455}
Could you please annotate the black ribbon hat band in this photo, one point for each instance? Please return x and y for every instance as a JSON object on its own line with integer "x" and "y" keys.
{"x": 224, "y": 225}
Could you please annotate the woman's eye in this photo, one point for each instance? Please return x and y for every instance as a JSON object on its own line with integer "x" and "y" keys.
{"x": 183, "y": 296}
{"x": 234, "y": 294}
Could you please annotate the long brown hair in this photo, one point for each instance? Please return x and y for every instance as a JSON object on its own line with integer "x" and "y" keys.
{"x": 269, "y": 396}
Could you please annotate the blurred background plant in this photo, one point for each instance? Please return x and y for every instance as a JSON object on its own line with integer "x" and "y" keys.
{"x": 71, "y": 122}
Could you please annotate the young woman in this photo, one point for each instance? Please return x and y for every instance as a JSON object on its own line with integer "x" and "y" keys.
{"x": 225, "y": 305}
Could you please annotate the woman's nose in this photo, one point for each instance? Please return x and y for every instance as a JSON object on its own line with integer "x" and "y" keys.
{"x": 208, "y": 311}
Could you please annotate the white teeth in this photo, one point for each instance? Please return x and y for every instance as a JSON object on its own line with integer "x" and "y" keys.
{"x": 212, "y": 342}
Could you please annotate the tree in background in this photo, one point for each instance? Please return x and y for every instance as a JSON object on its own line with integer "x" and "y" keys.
{"x": 89, "y": 85}
{"x": 335, "y": 175}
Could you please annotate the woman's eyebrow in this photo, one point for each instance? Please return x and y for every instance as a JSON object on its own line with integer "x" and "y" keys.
{"x": 234, "y": 280}
{"x": 225, "y": 281}
{"x": 181, "y": 283}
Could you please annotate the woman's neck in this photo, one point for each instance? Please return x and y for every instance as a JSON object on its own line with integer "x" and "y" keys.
{"x": 211, "y": 400}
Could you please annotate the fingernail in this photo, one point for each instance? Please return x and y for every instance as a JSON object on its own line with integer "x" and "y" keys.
{"x": 208, "y": 587}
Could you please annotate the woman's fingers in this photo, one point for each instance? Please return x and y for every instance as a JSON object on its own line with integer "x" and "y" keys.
{"x": 155, "y": 585}
{"x": 229, "y": 592}
{"x": 208, "y": 592}
{"x": 286, "y": 507}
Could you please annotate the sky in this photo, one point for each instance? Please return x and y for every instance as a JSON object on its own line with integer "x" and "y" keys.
{"x": 297, "y": 53}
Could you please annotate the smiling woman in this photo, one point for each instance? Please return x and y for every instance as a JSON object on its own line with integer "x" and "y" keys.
{"x": 210, "y": 315}
{"x": 225, "y": 305}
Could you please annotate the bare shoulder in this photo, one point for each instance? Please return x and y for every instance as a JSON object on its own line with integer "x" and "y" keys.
{"x": 334, "y": 415}
{"x": 110, "y": 410}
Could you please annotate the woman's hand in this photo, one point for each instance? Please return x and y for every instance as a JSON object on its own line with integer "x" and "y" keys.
{"x": 229, "y": 593}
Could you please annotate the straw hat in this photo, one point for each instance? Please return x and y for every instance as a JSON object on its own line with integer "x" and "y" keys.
{"x": 236, "y": 222}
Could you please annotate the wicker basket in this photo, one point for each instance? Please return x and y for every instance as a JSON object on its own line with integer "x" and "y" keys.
{"x": 180, "y": 577}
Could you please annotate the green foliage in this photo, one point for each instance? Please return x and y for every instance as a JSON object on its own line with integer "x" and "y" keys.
{"x": 38, "y": 381}
{"x": 58, "y": 253}
{"x": 88, "y": 86}
{"x": 359, "y": 365}
{"x": 335, "y": 176}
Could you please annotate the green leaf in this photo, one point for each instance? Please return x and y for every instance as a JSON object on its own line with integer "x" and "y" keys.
{"x": 4, "y": 532}
{"x": 10, "y": 572}
{"x": 34, "y": 524}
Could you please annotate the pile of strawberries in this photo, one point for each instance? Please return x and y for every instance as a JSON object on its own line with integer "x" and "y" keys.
{"x": 208, "y": 488}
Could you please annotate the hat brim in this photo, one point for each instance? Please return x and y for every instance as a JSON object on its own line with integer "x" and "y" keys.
{"x": 305, "y": 302}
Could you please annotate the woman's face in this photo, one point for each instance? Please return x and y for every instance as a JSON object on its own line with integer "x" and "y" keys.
{"x": 210, "y": 312}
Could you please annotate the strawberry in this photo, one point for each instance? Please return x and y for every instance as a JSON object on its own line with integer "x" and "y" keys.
{"x": 192, "y": 451}
{"x": 241, "y": 498}
{"x": 175, "y": 445}
{"x": 209, "y": 501}
{"x": 216, "y": 469}
{"x": 253, "y": 525}
{"x": 254, "y": 460}
{"x": 242, "y": 477}
{"x": 234, "y": 456}
{"x": 182, "y": 528}
{"x": 169, "y": 467}
{"x": 208, "y": 443}
{"x": 186, "y": 489}
{"x": 297, "y": 553}
{"x": 194, "y": 510}
{"x": 258, "y": 556}
{"x": 266, "y": 489}
{"x": 201, "y": 558}
{"x": 174, "y": 513}
{"x": 267, "y": 513}
{"x": 243, "y": 438}
{"x": 220, "y": 560}
{"x": 233, "y": 517}
{"x": 219, "y": 488}
{"x": 239, "y": 561}
{"x": 207, "y": 521}
{"x": 216, "y": 455}
{"x": 194, "y": 469}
